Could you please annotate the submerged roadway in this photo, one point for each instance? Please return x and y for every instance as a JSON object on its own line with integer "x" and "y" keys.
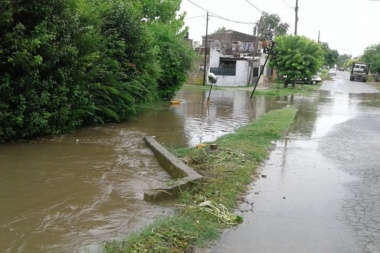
{"x": 321, "y": 189}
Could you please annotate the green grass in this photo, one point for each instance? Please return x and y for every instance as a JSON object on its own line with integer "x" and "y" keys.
{"x": 276, "y": 89}
{"x": 227, "y": 171}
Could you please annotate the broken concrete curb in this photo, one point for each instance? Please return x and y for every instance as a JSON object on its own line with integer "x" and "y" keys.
{"x": 184, "y": 176}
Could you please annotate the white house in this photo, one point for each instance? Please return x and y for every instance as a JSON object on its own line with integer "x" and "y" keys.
{"x": 235, "y": 62}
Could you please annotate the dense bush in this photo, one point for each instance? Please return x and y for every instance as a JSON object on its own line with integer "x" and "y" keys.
{"x": 297, "y": 57}
{"x": 65, "y": 63}
{"x": 40, "y": 88}
{"x": 175, "y": 55}
{"x": 372, "y": 56}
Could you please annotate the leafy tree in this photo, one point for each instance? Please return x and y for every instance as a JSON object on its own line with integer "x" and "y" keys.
{"x": 66, "y": 63}
{"x": 220, "y": 30}
{"x": 350, "y": 62}
{"x": 372, "y": 56}
{"x": 176, "y": 55}
{"x": 162, "y": 11}
{"x": 41, "y": 92}
{"x": 270, "y": 26}
{"x": 123, "y": 70}
{"x": 297, "y": 57}
{"x": 330, "y": 56}
{"x": 342, "y": 59}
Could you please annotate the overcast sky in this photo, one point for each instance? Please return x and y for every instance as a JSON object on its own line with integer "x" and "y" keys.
{"x": 348, "y": 26}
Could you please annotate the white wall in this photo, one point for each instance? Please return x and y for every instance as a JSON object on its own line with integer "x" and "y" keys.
{"x": 242, "y": 71}
{"x": 214, "y": 58}
{"x": 241, "y": 77}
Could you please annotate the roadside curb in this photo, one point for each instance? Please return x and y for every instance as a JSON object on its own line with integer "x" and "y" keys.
{"x": 183, "y": 176}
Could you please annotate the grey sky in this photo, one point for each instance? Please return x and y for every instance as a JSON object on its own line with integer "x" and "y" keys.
{"x": 348, "y": 26}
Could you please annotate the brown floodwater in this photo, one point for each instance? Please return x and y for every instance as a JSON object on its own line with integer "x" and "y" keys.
{"x": 73, "y": 192}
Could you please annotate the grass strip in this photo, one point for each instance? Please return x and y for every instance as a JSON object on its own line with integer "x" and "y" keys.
{"x": 275, "y": 89}
{"x": 205, "y": 210}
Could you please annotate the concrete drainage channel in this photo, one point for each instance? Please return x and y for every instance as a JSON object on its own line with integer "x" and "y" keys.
{"x": 183, "y": 176}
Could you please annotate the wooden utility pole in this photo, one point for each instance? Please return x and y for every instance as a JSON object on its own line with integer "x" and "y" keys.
{"x": 205, "y": 63}
{"x": 319, "y": 36}
{"x": 295, "y": 26}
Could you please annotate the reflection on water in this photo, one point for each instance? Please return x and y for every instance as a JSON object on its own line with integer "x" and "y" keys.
{"x": 70, "y": 193}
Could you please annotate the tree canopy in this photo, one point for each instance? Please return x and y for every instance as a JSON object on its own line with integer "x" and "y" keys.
{"x": 330, "y": 55}
{"x": 343, "y": 59}
{"x": 66, "y": 63}
{"x": 296, "y": 57}
{"x": 372, "y": 56}
{"x": 270, "y": 26}
{"x": 220, "y": 30}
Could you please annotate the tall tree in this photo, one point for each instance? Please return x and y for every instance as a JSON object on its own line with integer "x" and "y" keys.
{"x": 270, "y": 26}
{"x": 124, "y": 69}
{"x": 330, "y": 55}
{"x": 372, "y": 56}
{"x": 342, "y": 59}
{"x": 297, "y": 57}
{"x": 41, "y": 91}
{"x": 176, "y": 55}
{"x": 220, "y": 30}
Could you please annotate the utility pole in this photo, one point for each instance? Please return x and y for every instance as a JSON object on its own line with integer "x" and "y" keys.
{"x": 205, "y": 63}
{"x": 296, "y": 9}
{"x": 319, "y": 35}
{"x": 256, "y": 32}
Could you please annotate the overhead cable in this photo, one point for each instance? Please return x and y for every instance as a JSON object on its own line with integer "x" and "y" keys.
{"x": 220, "y": 17}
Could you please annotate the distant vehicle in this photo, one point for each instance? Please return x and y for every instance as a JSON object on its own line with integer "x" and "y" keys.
{"x": 313, "y": 80}
{"x": 359, "y": 71}
{"x": 332, "y": 72}
{"x": 341, "y": 69}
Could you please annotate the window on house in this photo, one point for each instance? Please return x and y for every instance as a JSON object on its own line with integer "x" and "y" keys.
{"x": 227, "y": 67}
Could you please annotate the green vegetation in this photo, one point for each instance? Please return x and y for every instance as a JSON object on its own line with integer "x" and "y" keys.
{"x": 203, "y": 212}
{"x": 343, "y": 59}
{"x": 269, "y": 26}
{"x": 330, "y": 56}
{"x": 372, "y": 56}
{"x": 273, "y": 90}
{"x": 276, "y": 90}
{"x": 297, "y": 58}
{"x": 66, "y": 63}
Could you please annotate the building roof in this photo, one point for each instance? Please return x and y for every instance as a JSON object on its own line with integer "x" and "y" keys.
{"x": 228, "y": 37}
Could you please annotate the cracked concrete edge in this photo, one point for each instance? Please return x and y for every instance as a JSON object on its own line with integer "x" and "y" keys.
{"x": 184, "y": 176}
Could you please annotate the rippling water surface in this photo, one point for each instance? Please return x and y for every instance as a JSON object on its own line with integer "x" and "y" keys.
{"x": 69, "y": 194}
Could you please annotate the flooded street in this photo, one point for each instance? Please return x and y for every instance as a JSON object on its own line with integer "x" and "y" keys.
{"x": 70, "y": 194}
{"x": 321, "y": 190}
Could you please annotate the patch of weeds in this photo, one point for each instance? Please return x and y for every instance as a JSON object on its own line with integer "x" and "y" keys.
{"x": 206, "y": 209}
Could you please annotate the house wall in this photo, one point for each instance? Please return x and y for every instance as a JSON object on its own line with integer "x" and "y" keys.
{"x": 214, "y": 58}
{"x": 240, "y": 79}
{"x": 243, "y": 66}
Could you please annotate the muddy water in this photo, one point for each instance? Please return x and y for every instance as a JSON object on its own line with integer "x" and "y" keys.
{"x": 69, "y": 194}
{"x": 314, "y": 181}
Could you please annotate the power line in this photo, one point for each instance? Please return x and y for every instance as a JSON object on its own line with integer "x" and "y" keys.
{"x": 200, "y": 16}
{"x": 233, "y": 21}
{"x": 255, "y": 6}
{"x": 262, "y": 12}
{"x": 288, "y": 4}
{"x": 220, "y": 17}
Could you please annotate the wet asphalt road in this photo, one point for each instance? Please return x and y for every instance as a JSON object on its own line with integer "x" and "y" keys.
{"x": 321, "y": 192}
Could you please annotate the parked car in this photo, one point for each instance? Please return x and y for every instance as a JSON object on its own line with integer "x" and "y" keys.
{"x": 313, "y": 80}
{"x": 332, "y": 72}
